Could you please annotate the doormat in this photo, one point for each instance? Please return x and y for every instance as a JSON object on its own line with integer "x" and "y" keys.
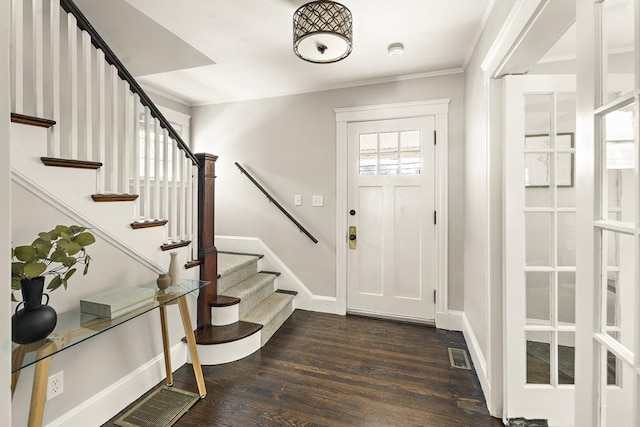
{"x": 162, "y": 408}
{"x": 459, "y": 359}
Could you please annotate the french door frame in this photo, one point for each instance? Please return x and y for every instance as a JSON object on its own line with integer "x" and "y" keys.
{"x": 439, "y": 108}
{"x": 591, "y": 343}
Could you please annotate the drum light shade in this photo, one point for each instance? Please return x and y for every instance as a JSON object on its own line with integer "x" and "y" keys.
{"x": 322, "y": 32}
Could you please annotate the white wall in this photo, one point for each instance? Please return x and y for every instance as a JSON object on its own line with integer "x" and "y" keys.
{"x": 482, "y": 219}
{"x": 476, "y": 173}
{"x": 92, "y": 366}
{"x": 288, "y": 144}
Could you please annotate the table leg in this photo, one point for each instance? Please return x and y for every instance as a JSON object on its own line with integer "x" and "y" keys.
{"x": 165, "y": 345}
{"x": 39, "y": 392}
{"x": 191, "y": 343}
{"x": 17, "y": 357}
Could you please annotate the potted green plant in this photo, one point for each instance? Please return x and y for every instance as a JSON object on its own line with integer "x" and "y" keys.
{"x": 56, "y": 253}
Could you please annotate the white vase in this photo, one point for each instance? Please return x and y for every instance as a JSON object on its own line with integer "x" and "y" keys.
{"x": 174, "y": 269}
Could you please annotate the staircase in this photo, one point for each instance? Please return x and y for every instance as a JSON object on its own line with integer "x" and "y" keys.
{"x": 248, "y": 311}
{"x": 86, "y": 137}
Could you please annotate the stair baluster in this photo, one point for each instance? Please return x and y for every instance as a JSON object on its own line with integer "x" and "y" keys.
{"x": 54, "y": 72}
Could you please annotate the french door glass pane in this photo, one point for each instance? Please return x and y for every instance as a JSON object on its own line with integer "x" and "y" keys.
{"x": 567, "y": 297}
{"x": 566, "y": 357}
{"x": 618, "y": 48}
{"x": 538, "y": 357}
{"x": 538, "y": 296}
{"x": 538, "y": 238}
{"x": 618, "y": 289}
{"x": 566, "y": 238}
{"x": 537, "y": 113}
{"x": 619, "y": 162}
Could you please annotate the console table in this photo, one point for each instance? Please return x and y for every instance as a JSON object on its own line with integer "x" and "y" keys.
{"x": 74, "y": 327}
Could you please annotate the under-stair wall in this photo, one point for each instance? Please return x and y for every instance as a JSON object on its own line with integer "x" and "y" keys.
{"x": 103, "y": 375}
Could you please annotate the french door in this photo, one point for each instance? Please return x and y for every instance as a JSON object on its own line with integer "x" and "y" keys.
{"x": 613, "y": 369}
{"x": 540, "y": 261}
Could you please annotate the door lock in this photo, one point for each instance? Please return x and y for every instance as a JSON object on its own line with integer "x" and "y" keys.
{"x": 352, "y": 237}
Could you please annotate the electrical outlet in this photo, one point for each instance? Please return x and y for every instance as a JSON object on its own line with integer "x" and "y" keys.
{"x": 297, "y": 200}
{"x": 55, "y": 385}
{"x": 317, "y": 201}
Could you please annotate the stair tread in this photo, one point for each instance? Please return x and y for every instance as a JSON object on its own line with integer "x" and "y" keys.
{"x": 70, "y": 163}
{"x": 175, "y": 245}
{"x": 224, "y": 301}
{"x": 228, "y": 333}
{"x": 228, "y": 263}
{"x": 31, "y": 120}
{"x": 148, "y": 223}
{"x": 264, "y": 312}
{"x": 249, "y": 286}
{"x": 114, "y": 197}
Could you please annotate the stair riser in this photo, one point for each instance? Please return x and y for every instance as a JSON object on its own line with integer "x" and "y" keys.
{"x": 218, "y": 354}
{"x": 236, "y": 277}
{"x": 270, "y": 328}
{"x": 248, "y": 303}
{"x": 221, "y": 316}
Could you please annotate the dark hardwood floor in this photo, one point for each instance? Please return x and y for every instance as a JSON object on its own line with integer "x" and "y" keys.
{"x": 328, "y": 370}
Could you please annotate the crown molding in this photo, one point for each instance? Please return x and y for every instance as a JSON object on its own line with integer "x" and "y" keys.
{"x": 338, "y": 86}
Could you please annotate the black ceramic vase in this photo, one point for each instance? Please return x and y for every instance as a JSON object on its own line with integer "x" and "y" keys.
{"x": 36, "y": 320}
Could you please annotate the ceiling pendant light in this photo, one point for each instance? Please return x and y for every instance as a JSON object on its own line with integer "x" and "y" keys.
{"x": 322, "y": 32}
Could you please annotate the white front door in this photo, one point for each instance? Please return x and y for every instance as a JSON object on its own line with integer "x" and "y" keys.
{"x": 391, "y": 218}
{"x": 540, "y": 249}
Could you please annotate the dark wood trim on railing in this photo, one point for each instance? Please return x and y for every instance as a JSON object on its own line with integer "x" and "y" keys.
{"x": 207, "y": 252}
{"x": 275, "y": 202}
{"x": 111, "y": 58}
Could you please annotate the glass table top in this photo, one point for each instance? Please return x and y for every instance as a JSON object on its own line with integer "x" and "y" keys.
{"x": 74, "y": 327}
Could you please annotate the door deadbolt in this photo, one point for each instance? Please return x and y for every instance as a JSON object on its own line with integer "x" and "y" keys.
{"x": 352, "y": 237}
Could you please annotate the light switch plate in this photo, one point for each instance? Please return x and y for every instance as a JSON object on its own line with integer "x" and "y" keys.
{"x": 317, "y": 201}
{"x": 297, "y": 200}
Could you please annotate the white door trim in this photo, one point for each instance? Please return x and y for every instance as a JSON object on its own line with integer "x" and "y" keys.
{"x": 5, "y": 209}
{"x": 436, "y": 107}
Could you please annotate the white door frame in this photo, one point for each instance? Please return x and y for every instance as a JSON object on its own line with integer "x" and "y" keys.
{"x": 5, "y": 209}
{"x": 436, "y": 107}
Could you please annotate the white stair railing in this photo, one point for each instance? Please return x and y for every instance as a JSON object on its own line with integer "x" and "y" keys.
{"x": 101, "y": 114}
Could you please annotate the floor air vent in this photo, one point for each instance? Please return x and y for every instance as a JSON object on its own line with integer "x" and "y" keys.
{"x": 162, "y": 408}
{"x": 459, "y": 358}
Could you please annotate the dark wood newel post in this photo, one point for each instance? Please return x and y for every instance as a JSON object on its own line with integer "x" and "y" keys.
{"x": 207, "y": 253}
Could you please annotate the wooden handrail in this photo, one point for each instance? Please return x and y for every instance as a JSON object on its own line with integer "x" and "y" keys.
{"x": 111, "y": 58}
{"x": 275, "y": 202}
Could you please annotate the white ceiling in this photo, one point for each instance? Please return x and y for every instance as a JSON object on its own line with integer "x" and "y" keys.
{"x": 249, "y": 44}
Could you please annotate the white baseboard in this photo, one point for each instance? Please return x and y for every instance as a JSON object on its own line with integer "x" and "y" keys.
{"x": 478, "y": 359}
{"x": 101, "y": 407}
{"x": 451, "y": 320}
{"x": 305, "y": 299}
